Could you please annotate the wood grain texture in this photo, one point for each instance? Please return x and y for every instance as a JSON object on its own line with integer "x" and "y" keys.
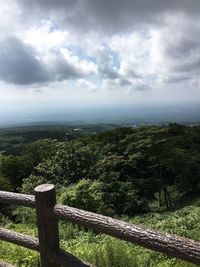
{"x": 48, "y": 234}
{"x": 17, "y": 199}
{"x": 19, "y": 239}
{"x": 171, "y": 245}
{"x": 48, "y": 213}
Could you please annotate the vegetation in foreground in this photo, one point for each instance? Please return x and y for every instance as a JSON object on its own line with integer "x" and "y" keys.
{"x": 150, "y": 171}
{"x": 104, "y": 251}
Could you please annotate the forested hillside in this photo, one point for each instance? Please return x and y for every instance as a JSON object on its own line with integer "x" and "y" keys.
{"x": 122, "y": 172}
{"x": 118, "y": 172}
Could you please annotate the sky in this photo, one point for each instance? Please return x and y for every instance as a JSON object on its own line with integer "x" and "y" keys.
{"x": 64, "y": 56}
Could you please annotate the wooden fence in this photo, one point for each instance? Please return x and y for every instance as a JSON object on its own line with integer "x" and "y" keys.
{"x": 47, "y": 244}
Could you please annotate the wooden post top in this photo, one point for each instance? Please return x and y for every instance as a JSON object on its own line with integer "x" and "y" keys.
{"x": 45, "y": 197}
{"x": 44, "y": 188}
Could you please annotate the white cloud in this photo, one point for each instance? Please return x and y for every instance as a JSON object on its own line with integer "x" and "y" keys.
{"x": 87, "y": 85}
{"x": 175, "y": 49}
{"x": 46, "y": 37}
{"x": 145, "y": 49}
{"x": 9, "y": 18}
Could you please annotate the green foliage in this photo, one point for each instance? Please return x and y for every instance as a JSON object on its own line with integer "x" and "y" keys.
{"x": 18, "y": 255}
{"x": 134, "y": 166}
{"x": 120, "y": 172}
{"x": 14, "y": 169}
{"x": 13, "y": 141}
{"x": 5, "y": 184}
{"x": 105, "y": 251}
{"x": 85, "y": 195}
{"x": 24, "y": 215}
{"x": 17, "y": 168}
{"x": 31, "y": 182}
{"x": 72, "y": 162}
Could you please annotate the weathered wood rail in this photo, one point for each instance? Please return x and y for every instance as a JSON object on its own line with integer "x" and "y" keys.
{"x": 47, "y": 244}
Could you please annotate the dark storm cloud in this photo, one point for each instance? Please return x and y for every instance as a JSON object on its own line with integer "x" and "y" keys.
{"x": 19, "y": 64}
{"x": 110, "y": 15}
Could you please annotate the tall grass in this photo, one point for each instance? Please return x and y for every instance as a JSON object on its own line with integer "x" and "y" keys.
{"x": 105, "y": 251}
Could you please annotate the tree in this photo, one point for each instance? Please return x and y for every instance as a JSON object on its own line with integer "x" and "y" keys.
{"x": 85, "y": 195}
{"x": 72, "y": 162}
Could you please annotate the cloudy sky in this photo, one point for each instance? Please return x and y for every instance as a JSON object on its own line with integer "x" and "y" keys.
{"x": 65, "y": 55}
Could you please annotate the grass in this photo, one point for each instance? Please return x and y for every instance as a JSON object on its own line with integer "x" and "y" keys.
{"x": 105, "y": 251}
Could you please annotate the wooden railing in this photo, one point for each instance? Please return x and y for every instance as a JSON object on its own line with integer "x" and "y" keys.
{"x": 47, "y": 244}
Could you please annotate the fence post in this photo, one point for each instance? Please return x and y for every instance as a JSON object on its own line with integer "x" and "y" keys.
{"x": 45, "y": 198}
